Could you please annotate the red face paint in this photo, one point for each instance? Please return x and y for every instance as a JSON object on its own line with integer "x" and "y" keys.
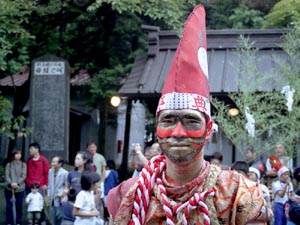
{"x": 180, "y": 131}
{"x": 182, "y": 134}
{"x": 181, "y": 124}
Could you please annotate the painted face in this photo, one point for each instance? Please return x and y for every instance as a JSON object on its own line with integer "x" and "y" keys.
{"x": 182, "y": 133}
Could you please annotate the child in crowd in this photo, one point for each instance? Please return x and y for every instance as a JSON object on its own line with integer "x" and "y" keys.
{"x": 241, "y": 167}
{"x": 35, "y": 203}
{"x": 84, "y": 208}
{"x": 67, "y": 208}
{"x": 283, "y": 190}
{"x": 254, "y": 175}
{"x": 111, "y": 181}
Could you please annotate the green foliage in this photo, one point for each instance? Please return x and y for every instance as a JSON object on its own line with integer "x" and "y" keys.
{"x": 5, "y": 112}
{"x": 218, "y": 12}
{"x": 284, "y": 14}
{"x": 273, "y": 122}
{"x": 102, "y": 84}
{"x": 237, "y": 14}
{"x": 243, "y": 18}
{"x": 172, "y": 12}
{"x": 10, "y": 126}
{"x": 104, "y": 39}
{"x": 14, "y": 37}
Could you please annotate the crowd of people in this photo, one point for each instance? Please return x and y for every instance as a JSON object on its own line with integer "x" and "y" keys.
{"x": 81, "y": 193}
{"x": 55, "y": 195}
{"x": 63, "y": 197}
{"x": 276, "y": 177}
{"x": 171, "y": 183}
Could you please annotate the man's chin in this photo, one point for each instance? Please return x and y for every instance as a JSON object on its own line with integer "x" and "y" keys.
{"x": 178, "y": 158}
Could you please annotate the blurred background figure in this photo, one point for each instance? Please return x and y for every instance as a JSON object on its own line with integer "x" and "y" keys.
{"x": 254, "y": 160}
{"x": 217, "y": 159}
{"x": 57, "y": 179}
{"x": 154, "y": 150}
{"x": 255, "y": 175}
{"x": 97, "y": 159}
{"x": 276, "y": 161}
{"x": 85, "y": 210}
{"x": 35, "y": 204}
{"x": 283, "y": 190}
{"x": 15, "y": 174}
{"x": 139, "y": 160}
{"x": 67, "y": 208}
{"x": 37, "y": 172}
{"x": 241, "y": 167}
{"x": 111, "y": 181}
{"x": 82, "y": 163}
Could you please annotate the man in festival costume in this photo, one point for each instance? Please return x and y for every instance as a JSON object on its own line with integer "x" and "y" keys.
{"x": 180, "y": 187}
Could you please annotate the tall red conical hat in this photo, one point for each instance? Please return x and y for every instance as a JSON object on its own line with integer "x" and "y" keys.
{"x": 186, "y": 86}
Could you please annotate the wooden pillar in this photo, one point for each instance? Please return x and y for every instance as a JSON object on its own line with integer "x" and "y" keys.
{"x": 124, "y": 165}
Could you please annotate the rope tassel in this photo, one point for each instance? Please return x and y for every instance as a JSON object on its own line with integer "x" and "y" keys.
{"x": 149, "y": 177}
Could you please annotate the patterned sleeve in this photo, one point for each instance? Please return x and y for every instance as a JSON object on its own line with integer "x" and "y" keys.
{"x": 116, "y": 195}
{"x": 249, "y": 203}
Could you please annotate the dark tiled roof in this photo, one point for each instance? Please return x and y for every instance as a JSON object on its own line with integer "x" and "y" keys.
{"x": 225, "y": 63}
{"x": 81, "y": 78}
{"x": 17, "y": 79}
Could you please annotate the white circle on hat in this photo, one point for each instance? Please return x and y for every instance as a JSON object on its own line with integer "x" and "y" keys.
{"x": 202, "y": 59}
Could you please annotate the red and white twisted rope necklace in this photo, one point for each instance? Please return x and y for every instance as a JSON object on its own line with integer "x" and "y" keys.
{"x": 149, "y": 177}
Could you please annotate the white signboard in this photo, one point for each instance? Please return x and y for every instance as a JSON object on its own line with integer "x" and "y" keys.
{"x": 49, "y": 68}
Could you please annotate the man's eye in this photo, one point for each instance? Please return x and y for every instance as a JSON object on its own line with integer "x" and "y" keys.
{"x": 167, "y": 120}
{"x": 191, "y": 120}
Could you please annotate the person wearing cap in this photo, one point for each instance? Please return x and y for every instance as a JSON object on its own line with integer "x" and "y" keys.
{"x": 283, "y": 191}
{"x": 254, "y": 175}
{"x": 180, "y": 187}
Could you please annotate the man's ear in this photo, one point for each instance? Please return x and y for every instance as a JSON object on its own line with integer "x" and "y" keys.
{"x": 208, "y": 129}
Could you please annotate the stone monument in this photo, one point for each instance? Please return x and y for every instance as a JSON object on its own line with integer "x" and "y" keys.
{"x": 49, "y": 105}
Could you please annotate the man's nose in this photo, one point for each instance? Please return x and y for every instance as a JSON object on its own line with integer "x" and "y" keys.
{"x": 179, "y": 131}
